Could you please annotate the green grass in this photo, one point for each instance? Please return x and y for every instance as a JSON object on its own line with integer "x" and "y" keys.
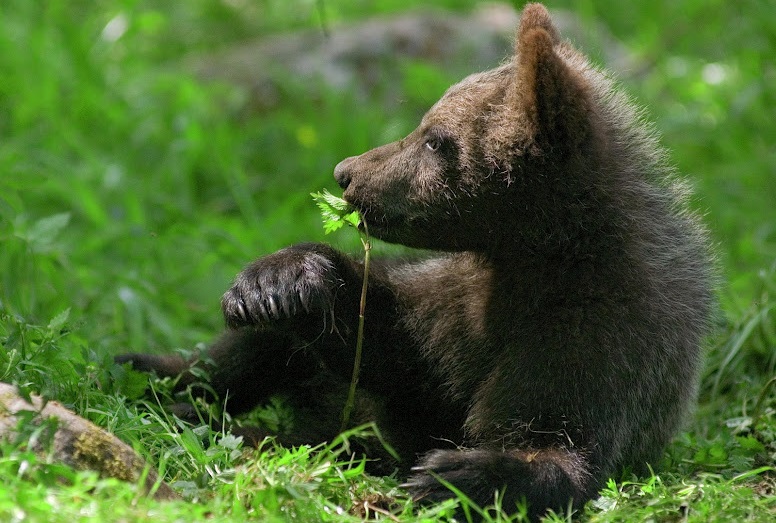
{"x": 131, "y": 193}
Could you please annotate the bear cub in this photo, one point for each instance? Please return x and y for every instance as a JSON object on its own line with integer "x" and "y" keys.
{"x": 552, "y": 340}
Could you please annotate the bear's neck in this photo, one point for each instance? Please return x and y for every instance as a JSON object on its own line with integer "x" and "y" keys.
{"x": 588, "y": 255}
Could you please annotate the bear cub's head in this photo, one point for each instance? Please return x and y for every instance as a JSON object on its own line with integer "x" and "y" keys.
{"x": 495, "y": 154}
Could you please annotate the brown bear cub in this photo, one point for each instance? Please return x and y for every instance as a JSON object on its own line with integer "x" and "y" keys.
{"x": 553, "y": 340}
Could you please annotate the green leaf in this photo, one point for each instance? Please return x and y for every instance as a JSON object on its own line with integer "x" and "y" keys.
{"x": 750, "y": 444}
{"x": 336, "y": 203}
{"x": 129, "y": 382}
{"x": 230, "y": 442}
{"x": 335, "y": 211}
{"x": 58, "y": 321}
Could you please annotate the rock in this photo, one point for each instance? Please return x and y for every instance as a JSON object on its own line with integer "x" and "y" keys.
{"x": 78, "y": 442}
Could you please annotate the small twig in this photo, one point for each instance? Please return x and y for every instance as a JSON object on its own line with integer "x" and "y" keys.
{"x": 360, "y": 335}
{"x": 336, "y": 212}
{"x": 374, "y": 508}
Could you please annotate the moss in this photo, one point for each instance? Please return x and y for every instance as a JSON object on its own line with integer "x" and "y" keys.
{"x": 96, "y": 450}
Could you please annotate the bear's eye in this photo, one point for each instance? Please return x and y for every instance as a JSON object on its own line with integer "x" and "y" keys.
{"x": 433, "y": 144}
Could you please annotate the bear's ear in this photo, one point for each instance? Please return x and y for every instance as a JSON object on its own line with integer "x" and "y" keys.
{"x": 549, "y": 96}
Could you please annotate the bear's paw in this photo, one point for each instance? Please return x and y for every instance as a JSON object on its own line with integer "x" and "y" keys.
{"x": 289, "y": 283}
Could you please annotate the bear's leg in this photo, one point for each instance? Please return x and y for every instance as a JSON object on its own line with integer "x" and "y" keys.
{"x": 245, "y": 366}
{"x": 545, "y": 478}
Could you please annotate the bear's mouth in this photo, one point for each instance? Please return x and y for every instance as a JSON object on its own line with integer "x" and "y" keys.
{"x": 380, "y": 223}
{"x": 374, "y": 218}
{"x": 376, "y": 224}
{"x": 392, "y": 229}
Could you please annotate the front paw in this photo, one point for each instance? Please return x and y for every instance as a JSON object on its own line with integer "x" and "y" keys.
{"x": 293, "y": 281}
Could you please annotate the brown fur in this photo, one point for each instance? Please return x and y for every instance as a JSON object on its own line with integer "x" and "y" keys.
{"x": 558, "y": 338}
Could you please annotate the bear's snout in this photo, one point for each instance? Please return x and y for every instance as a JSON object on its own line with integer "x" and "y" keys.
{"x": 342, "y": 172}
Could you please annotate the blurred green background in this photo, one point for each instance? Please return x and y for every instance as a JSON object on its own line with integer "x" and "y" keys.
{"x": 131, "y": 191}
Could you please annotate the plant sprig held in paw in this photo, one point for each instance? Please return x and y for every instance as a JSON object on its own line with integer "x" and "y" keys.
{"x": 336, "y": 212}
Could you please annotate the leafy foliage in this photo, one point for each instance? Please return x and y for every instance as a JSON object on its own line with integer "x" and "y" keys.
{"x": 335, "y": 211}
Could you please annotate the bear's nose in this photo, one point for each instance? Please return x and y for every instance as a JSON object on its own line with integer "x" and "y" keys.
{"x": 343, "y": 173}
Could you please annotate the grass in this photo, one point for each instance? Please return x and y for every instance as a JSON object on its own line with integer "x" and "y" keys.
{"x": 131, "y": 193}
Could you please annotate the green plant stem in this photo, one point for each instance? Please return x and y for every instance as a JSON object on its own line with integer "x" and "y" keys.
{"x": 346, "y": 411}
{"x": 758, "y": 407}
